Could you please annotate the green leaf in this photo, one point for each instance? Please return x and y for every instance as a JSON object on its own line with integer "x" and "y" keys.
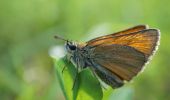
{"x": 124, "y": 93}
{"x": 87, "y": 87}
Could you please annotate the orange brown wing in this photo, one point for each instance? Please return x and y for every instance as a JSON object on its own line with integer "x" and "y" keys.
{"x": 127, "y": 31}
{"x": 125, "y": 55}
{"x": 122, "y": 61}
{"x": 144, "y": 41}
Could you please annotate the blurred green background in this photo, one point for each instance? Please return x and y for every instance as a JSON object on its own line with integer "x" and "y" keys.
{"x": 27, "y": 28}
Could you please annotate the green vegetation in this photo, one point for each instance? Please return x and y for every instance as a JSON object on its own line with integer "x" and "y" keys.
{"x": 86, "y": 86}
{"x": 27, "y": 28}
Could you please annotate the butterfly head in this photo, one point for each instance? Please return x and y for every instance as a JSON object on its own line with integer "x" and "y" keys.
{"x": 70, "y": 46}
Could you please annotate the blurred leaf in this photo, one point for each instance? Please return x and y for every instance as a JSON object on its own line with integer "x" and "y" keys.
{"x": 87, "y": 87}
{"x": 124, "y": 93}
{"x": 106, "y": 93}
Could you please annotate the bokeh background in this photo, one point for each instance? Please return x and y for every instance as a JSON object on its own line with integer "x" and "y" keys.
{"x": 27, "y": 28}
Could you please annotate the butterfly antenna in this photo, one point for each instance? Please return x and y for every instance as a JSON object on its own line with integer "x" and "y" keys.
{"x": 58, "y": 37}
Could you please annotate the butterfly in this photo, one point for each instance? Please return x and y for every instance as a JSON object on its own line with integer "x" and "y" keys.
{"x": 115, "y": 58}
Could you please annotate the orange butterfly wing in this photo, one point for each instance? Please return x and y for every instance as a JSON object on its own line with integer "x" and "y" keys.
{"x": 144, "y": 41}
{"x": 125, "y": 54}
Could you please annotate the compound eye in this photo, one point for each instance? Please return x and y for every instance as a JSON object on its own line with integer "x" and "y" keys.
{"x": 72, "y": 47}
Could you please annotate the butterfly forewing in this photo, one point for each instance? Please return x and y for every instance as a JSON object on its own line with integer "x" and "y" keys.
{"x": 144, "y": 41}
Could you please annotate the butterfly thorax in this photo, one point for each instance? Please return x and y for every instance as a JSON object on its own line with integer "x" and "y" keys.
{"x": 77, "y": 54}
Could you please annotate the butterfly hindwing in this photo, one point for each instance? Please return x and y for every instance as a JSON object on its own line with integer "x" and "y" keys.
{"x": 123, "y": 61}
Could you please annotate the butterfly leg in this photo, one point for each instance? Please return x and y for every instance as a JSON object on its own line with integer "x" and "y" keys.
{"x": 68, "y": 60}
{"x": 63, "y": 69}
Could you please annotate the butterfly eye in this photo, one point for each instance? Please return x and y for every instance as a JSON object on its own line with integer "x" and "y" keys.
{"x": 72, "y": 47}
